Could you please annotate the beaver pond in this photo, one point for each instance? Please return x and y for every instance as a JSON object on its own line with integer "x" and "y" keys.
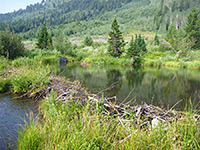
{"x": 161, "y": 87}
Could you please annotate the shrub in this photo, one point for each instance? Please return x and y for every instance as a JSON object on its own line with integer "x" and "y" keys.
{"x": 88, "y": 41}
{"x": 10, "y": 45}
{"x": 164, "y": 48}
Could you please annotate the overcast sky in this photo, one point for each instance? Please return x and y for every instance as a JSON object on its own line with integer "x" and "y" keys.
{"x": 11, "y": 5}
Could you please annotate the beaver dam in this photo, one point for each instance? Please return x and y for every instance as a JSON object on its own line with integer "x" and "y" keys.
{"x": 142, "y": 116}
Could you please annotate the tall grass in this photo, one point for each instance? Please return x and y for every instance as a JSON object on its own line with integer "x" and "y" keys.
{"x": 74, "y": 126}
{"x": 26, "y": 78}
{"x": 4, "y": 84}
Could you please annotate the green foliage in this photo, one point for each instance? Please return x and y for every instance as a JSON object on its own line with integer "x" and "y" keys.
{"x": 185, "y": 45}
{"x": 132, "y": 50}
{"x": 156, "y": 40}
{"x": 64, "y": 46}
{"x": 164, "y": 48}
{"x": 3, "y": 63}
{"x": 137, "y": 48}
{"x": 44, "y": 39}
{"x": 10, "y": 45}
{"x": 171, "y": 34}
{"x": 4, "y": 84}
{"x": 28, "y": 78}
{"x": 116, "y": 41}
{"x": 88, "y": 41}
{"x": 193, "y": 27}
{"x": 71, "y": 126}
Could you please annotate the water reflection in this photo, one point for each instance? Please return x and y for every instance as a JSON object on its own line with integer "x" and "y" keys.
{"x": 161, "y": 87}
{"x": 134, "y": 76}
{"x": 114, "y": 77}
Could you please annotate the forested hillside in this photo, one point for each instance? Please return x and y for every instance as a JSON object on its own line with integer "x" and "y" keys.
{"x": 94, "y": 16}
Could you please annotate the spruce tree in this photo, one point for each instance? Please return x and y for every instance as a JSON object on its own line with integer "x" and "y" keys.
{"x": 193, "y": 27}
{"x": 44, "y": 40}
{"x": 137, "y": 49}
{"x": 133, "y": 50}
{"x": 116, "y": 41}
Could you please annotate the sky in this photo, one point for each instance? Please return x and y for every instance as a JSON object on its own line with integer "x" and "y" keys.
{"x": 11, "y": 5}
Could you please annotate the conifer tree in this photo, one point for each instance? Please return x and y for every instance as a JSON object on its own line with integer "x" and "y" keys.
{"x": 116, "y": 41}
{"x": 44, "y": 40}
{"x": 132, "y": 50}
{"x": 137, "y": 48}
{"x": 193, "y": 27}
{"x": 171, "y": 34}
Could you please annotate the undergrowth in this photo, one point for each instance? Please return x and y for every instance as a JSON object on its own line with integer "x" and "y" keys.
{"x": 74, "y": 126}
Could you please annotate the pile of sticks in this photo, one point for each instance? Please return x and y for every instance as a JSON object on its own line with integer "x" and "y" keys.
{"x": 142, "y": 116}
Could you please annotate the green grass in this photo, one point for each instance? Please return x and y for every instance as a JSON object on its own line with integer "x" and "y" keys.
{"x": 27, "y": 78}
{"x": 4, "y": 84}
{"x": 74, "y": 126}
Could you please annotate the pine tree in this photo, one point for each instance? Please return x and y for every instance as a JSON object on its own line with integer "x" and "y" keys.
{"x": 193, "y": 27}
{"x": 116, "y": 41}
{"x": 44, "y": 40}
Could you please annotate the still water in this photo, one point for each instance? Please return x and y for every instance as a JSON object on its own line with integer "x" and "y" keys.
{"x": 162, "y": 87}
{"x": 13, "y": 113}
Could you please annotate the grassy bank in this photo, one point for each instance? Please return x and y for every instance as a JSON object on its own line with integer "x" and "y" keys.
{"x": 75, "y": 126}
{"x": 26, "y": 74}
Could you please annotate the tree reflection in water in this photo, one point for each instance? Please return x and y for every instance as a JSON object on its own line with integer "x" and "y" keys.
{"x": 134, "y": 77}
{"x": 114, "y": 76}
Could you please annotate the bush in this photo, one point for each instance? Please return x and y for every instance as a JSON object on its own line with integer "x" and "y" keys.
{"x": 10, "y": 45}
{"x": 88, "y": 41}
{"x": 64, "y": 46}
